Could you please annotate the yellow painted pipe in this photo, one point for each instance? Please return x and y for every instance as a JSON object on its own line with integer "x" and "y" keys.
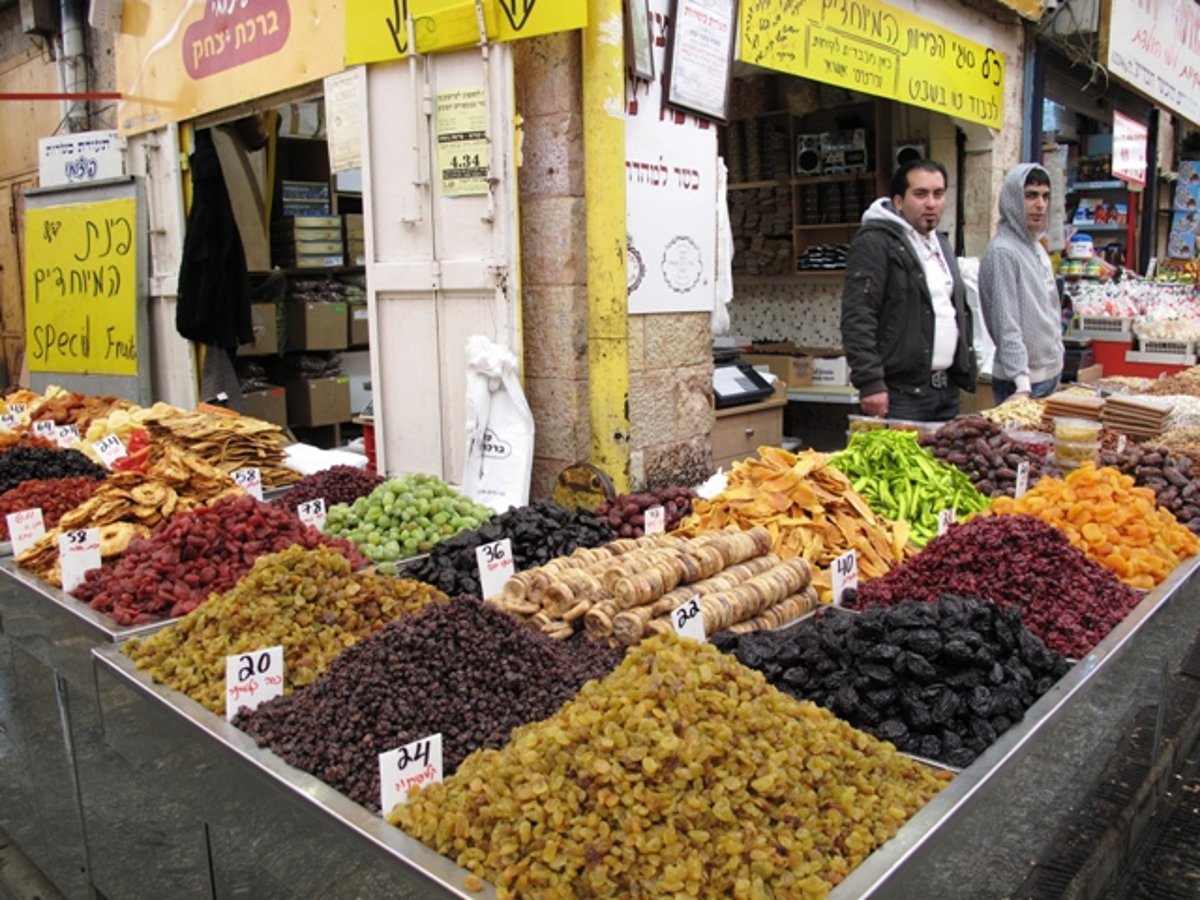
{"x": 604, "y": 193}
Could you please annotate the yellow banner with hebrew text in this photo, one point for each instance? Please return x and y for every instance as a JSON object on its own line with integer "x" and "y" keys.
{"x": 377, "y": 30}
{"x": 868, "y": 46}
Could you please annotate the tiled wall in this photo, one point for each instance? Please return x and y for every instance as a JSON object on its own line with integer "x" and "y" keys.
{"x": 805, "y": 312}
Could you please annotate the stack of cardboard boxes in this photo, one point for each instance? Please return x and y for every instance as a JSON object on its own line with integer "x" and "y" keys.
{"x": 801, "y": 367}
{"x": 308, "y": 242}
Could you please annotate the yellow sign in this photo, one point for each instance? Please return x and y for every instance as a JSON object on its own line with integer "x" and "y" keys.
{"x": 176, "y": 61}
{"x": 462, "y": 147}
{"x": 377, "y": 30}
{"x": 81, "y": 288}
{"x": 877, "y": 49}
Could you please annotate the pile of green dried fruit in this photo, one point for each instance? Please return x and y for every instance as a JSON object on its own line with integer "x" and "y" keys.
{"x": 683, "y": 773}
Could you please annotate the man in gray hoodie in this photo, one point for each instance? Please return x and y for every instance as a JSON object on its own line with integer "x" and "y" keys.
{"x": 1017, "y": 293}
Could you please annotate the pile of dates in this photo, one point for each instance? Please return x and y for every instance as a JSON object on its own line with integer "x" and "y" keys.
{"x": 626, "y": 513}
{"x": 988, "y": 456}
{"x": 1168, "y": 474}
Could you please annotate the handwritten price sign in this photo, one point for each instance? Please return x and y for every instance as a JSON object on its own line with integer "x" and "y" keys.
{"x": 250, "y": 481}
{"x": 252, "y": 678}
{"x": 946, "y": 518}
{"x": 495, "y": 561}
{"x": 79, "y": 553}
{"x": 655, "y": 521}
{"x": 25, "y": 528}
{"x": 110, "y": 449}
{"x": 845, "y": 576}
{"x": 1022, "y": 479}
{"x": 312, "y": 512}
{"x": 414, "y": 765}
{"x": 688, "y": 620}
{"x": 45, "y": 428}
{"x": 66, "y": 435}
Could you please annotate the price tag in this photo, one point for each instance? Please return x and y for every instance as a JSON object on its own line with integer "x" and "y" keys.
{"x": 495, "y": 561}
{"x": 252, "y": 678}
{"x": 66, "y": 435}
{"x": 946, "y": 518}
{"x": 414, "y": 765}
{"x": 1122, "y": 440}
{"x": 688, "y": 620}
{"x": 845, "y": 575}
{"x": 1022, "y": 479}
{"x": 78, "y": 552}
{"x": 18, "y": 409}
{"x": 109, "y": 448}
{"x": 45, "y": 428}
{"x": 655, "y": 521}
{"x": 312, "y": 512}
{"x": 24, "y": 529}
{"x": 11, "y": 421}
{"x": 249, "y": 480}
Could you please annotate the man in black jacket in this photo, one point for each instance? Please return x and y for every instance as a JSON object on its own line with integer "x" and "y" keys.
{"x": 906, "y": 329}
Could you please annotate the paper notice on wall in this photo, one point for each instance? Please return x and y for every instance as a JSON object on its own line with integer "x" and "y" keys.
{"x": 343, "y": 103}
{"x": 462, "y": 146}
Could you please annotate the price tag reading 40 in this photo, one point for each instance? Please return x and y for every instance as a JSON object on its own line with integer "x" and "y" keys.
{"x": 252, "y": 678}
{"x": 655, "y": 521}
{"x": 413, "y": 765}
{"x": 495, "y": 561}
{"x": 688, "y": 620}
{"x": 45, "y": 428}
{"x": 78, "y": 552}
{"x": 250, "y": 481}
{"x": 110, "y": 449}
{"x": 312, "y": 512}
{"x": 24, "y": 529}
{"x": 946, "y": 518}
{"x": 11, "y": 421}
{"x": 1022, "y": 479}
{"x": 845, "y": 576}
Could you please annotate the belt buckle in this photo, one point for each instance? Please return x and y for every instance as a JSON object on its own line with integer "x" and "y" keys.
{"x": 939, "y": 379}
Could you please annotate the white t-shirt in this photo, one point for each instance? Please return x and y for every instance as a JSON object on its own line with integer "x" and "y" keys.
{"x": 941, "y": 289}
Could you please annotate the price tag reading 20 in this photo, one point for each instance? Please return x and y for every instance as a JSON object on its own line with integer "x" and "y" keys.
{"x": 845, "y": 576}
{"x": 688, "y": 620}
{"x": 414, "y": 765}
{"x": 495, "y": 562}
{"x": 252, "y": 678}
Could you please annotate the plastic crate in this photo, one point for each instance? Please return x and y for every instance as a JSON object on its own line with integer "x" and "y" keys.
{"x": 1174, "y": 348}
{"x": 1113, "y": 328}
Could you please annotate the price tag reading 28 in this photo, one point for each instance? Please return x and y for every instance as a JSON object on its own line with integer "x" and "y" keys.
{"x": 845, "y": 575}
{"x": 688, "y": 620}
{"x": 252, "y": 678}
{"x": 250, "y": 481}
{"x": 495, "y": 561}
{"x": 312, "y": 512}
{"x": 414, "y": 765}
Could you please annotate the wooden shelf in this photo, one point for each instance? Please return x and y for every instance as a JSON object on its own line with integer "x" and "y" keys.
{"x": 820, "y": 225}
{"x": 756, "y": 185}
{"x": 800, "y": 181}
{"x": 821, "y": 273}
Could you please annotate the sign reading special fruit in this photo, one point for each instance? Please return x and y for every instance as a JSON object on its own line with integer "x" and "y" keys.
{"x": 81, "y": 288}
{"x": 868, "y": 46}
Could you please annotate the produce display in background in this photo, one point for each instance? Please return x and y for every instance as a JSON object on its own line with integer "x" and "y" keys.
{"x": 539, "y": 532}
{"x": 809, "y": 509}
{"x": 1066, "y": 599}
{"x": 30, "y": 463}
{"x": 626, "y": 513}
{"x": 403, "y": 517}
{"x": 1168, "y": 475}
{"x": 337, "y": 484}
{"x": 195, "y": 555}
{"x": 460, "y": 668}
{"x": 307, "y": 601}
{"x": 986, "y": 455}
{"x": 1116, "y": 524}
{"x": 53, "y": 496}
{"x": 940, "y": 680}
{"x": 903, "y": 481}
{"x": 682, "y": 770}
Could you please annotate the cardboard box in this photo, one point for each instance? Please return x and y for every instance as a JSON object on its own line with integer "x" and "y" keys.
{"x": 793, "y": 371}
{"x": 316, "y": 326}
{"x": 830, "y": 371}
{"x": 269, "y": 405}
{"x": 266, "y": 331}
{"x": 1090, "y": 374}
{"x": 359, "y": 327}
{"x": 318, "y": 401}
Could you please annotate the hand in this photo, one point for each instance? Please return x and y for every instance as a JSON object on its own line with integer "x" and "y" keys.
{"x": 1019, "y": 395}
{"x": 875, "y": 404}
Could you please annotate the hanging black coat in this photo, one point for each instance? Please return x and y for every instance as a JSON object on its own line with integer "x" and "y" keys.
{"x": 214, "y": 286}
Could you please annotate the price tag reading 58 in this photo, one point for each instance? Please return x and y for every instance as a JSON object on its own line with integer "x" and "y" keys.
{"x": 495, "y": 561}
{"x": 688, "y": 620}
{"x": 845, "y": 576}
{"x": 252, "y": 678}
{"x": 413, "y": 765}
{"x": 78, "y": 552}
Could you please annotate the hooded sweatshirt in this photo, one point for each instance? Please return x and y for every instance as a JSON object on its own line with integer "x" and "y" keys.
{"x": 1017, "y": 293}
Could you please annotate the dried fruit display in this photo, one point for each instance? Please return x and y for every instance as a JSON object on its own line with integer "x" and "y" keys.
{"x": 10, "y": 439}
{"x": 198, "y": 553}
{"x": 25, "y": 463}
{"x": 1169, "y": 475}
{"x": 901, "y": 480}
{"x": 810, "y": 510}
{"x": 1185, "y": 382}
{"x": 1184, "y": 440}
{"x": 626, "y": 513}
{"x": 337, "y": 484}
{"x": 1020, "y": 412}
{"x": 68, "y": 407}
{"x": 53, "y": 496}
{"x": 682, "y": 770}
{"x": 940, "y": 680}
{"x": 1110, "y": 520}
{"x": 306, "y": 600}
{"x": 987, "y": 456}
{"x": 1069, "y": 601}
{"x": 460, "y": 668}
{"x": 226, "y": 442}
{"x": 539, "y": 532}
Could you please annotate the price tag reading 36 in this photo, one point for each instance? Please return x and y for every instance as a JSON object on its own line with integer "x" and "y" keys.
{"x": 845, "y": 576}
{"x": 495, "y": 561}
{"x": 250, "y": 481}
{"x": 312, "y": 512}
{"x": 414, "y": 765}
{"x": 688, "y": 620}
{"x": 252, "y": 678}
{"x": 78, "y": 552}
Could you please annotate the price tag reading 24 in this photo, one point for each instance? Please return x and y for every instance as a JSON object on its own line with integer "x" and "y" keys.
{"x": 250, "y": 481}
{"x": 845, "y": 576}
{"x": 414, "y": 765}
{"x": 495, "y": 561}
{"x": 688, "y": 620}
{"x": 252, "y": 678}
{"x": 110, "y": 449}
{"x": 312, "y": 512}
{"x": 78, "y": 552}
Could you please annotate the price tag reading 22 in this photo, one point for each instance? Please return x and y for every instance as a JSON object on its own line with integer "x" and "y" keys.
{"x": 845, "y": 575}
{"x": 688, "y": 620}
{"x": 252, "y": 678}
{"x": 414, "y": 765}
{"x": 495, "y": 562}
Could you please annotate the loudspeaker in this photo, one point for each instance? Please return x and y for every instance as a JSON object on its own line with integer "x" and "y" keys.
{"x": 909, "y": 151}
{"x": 808, "y": 154}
